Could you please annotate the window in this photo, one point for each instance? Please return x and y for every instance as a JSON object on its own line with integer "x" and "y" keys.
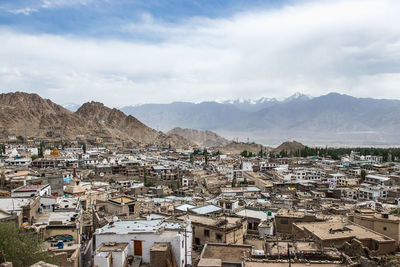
{"x": 206, "y": 232}
{"x": 284, "y": 221}
{"x": 218, "y": 236}
{"x": 384, "y": 228}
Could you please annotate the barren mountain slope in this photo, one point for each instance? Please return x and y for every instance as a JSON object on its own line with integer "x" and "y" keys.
{"x": 201, "y": 138}
{"x": 44, "y": 119}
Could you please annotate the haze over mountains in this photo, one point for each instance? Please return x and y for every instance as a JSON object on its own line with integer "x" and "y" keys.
{"x": 332, "y": 119}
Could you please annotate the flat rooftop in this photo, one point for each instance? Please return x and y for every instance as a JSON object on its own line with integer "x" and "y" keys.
{"x": 216, "y": 222}
{"x": 160, "y": 246}
{"x": 285, "y": 264}
{"x": 341, "y": 231}
{"x": 30, "y": 188}
{"x": 58, "y": 216}
{"x": 206, "y": 209}
{"x": 9, "y": 204}
{"x": 258, "y": 214}
{"x": 112, "y": 246}
{"x": 140, "y": 226}
{"x": 122, "y": 200}
{"x": 226, "y": 252}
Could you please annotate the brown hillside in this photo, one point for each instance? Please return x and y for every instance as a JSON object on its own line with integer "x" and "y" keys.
{"x": 45, "y": 119}
{"x": 290, "y": 147}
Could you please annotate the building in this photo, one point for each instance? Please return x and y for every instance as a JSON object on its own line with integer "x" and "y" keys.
{"x": 377, "y": 180}
{"x": 122, "y": 205}
{"x": 217, "y": 229}
{"x": 218, "y": 255}
{"x": 44, "y": 163}
{"x": 385, "y": 224}
{"x": 285, "y": 219}
{"x": 258, "y": 221}
{"x": 111, "y": 254}
{"x": 141, "y": 235}
{"x": 19, "y": 210}
{"x": 31, "y": 190}
{"x": 337, "y": 233}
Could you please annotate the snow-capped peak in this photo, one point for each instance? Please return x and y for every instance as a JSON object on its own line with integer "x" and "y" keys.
{"x": 297, "y": 96}
{"x": 71, "y": 106}
{"x": 247, "y": 101}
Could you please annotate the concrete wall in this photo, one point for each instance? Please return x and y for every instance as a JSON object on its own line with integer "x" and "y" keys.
{"x": 284, "y": 224}
{"x": 233, "y": 237}
{"x": 116, "y": 209}
{"x": 383, "y": 226}
{"x": 102, "y": 260}
{"x": 62, "y": 231}
{"x": 32, "y": 211}
{"x": 119, "y": 257}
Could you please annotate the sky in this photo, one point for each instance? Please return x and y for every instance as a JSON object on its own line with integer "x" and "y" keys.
{"x": 129, "y": 52}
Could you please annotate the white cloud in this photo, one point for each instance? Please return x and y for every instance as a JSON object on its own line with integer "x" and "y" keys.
{"x": 36, "y": 6}
{"x": 61, "y": 3}
{"x": 316, "y": 47}
{"x": 25, "y": 11}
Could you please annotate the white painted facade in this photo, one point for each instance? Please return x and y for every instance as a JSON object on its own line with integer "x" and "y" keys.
{"x": 103, "y": 259}
{"x": 247, "y": 166}
{"x": 149, "y": 232}
{"x": 27, "y": 191}
{"x": 111, "y": 259}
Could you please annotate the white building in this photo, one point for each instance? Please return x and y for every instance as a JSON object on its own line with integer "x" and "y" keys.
{"x": 247, "y": 166}
{"x": 140, "y": 236}
{"x": 377, "y": 180}
{"x": 264, "y": 166}
{"x": 333, "y": 178}
{"x": 32, "y": 190}
{"x": 18, "y": 161}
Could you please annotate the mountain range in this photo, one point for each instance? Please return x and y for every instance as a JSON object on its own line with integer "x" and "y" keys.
{"x": 22, "y": 113}
{"x": 332, "y": 119}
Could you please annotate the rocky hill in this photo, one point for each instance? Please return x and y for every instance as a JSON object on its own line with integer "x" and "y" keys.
{"x": 44, "y": 119}
{"x": 200, "y": 138}
{"x": 290, "y": 147}
{"x": 117, "y": 123}
{"x": 239, "y": 147}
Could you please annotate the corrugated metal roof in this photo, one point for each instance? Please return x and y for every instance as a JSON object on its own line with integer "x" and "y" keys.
{"x": 206, "y": 209}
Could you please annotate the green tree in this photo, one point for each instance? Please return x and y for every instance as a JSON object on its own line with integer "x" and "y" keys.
{"x": 363, "y": 175}
{"x": 3, "y": 149}
{"x": 261, "y": 153}
{"x": 233, "y": 182}
{"x": 22, "y": 248}
{"x": 40, "y": 150}
{"x": 84, "y": 148}
{"x": 205, "y": 153}
{"x": 144, "y": 177}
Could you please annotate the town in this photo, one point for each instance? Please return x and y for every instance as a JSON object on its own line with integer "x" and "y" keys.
{"x": 94, "y": 203}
